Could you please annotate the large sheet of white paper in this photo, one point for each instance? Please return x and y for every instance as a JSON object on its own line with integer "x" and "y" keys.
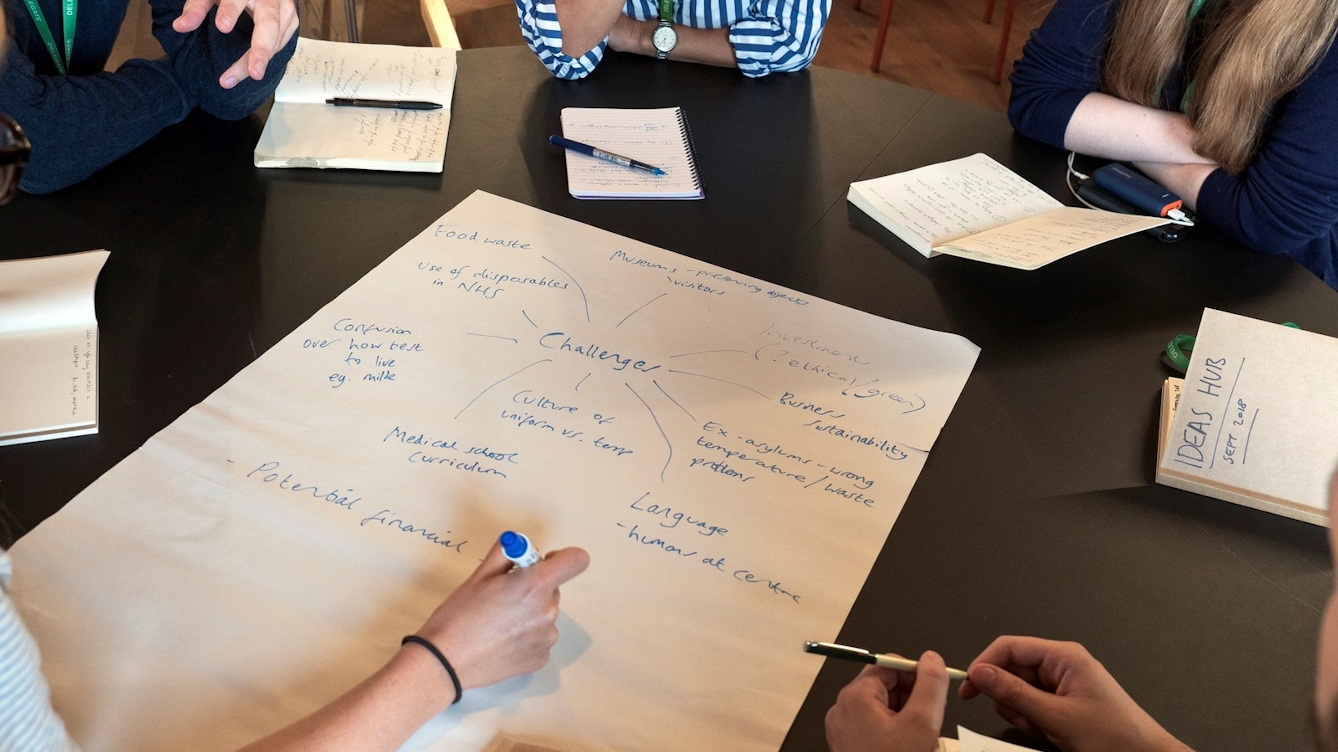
{"x": 731, "y": 453}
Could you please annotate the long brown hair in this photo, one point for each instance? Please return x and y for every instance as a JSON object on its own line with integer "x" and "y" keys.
{"x": 1253, "y": 52}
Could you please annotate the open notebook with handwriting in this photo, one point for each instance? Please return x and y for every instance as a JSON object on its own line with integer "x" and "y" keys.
{"x": 303, "y": 131}
{"x": 658, "y": 136}
{"x": 48, "y": 347}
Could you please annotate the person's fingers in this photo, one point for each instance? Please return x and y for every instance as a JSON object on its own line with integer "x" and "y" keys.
{"x": 494, "y": 564}
{"x": 560, "y": 566}
{"x": 235, "y": 72}
{"x": 890, "y": 679}
{"x": 264, "y": 36}
{"x": 966, "y": 690}
{"x": 228, "y": 13}
{"x": 1038, "y": 662}
{"x": 1012, "y": 692}
{"x": 1019, "y": 721}
{"x": 1016, "y": 652}
{"x": 929, "y": 696}
{"x": 192, "y": 15}
{"x": 870, "y": 688}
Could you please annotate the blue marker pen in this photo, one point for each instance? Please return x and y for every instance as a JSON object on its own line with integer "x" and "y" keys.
{"x": 517, "y": 548}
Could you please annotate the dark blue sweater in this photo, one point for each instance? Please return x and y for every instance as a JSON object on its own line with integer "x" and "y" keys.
{"x": 1285, "y": 202}
{"x": 80, "y": 123}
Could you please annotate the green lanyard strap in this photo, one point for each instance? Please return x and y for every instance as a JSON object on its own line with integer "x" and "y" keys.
{"x": 667, "y": 10}
{"x": 69, "y": 12}
{"x": 1194, "y": 9}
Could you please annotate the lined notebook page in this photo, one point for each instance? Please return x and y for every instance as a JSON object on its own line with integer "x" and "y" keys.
{"x": 659, "y": 137}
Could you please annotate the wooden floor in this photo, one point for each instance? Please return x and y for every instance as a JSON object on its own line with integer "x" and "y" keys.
{"x": 940, "y": 45}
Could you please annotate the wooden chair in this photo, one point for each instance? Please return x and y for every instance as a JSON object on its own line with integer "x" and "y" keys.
{"x": 452, "y": 25}
{"x": 885, "y": 17}
{"x": 440, "y": 28}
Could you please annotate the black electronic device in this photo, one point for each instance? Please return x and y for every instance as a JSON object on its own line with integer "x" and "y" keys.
{"x": 1093, "y": 194}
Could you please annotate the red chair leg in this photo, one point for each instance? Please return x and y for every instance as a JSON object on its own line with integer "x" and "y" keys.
{"x": 883, "y": 18}
{"x": 1003, "y": 40}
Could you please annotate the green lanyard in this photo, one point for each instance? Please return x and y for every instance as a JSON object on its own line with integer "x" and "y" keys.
{"x": 70, "y": 11}
{"x": 1195, "y": 8}
{"x": 667, "y": 10}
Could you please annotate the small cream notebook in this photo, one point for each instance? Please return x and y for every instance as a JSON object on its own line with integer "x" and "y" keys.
{"x": 48, "y": 347}
{"x": 976, "y": 208}
{"x": 1256, "y": 420}
{"x": 659, "y": 137}
{"x": 304, "y": 131}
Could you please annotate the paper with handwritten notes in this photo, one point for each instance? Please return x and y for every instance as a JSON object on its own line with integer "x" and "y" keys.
{"x": 976, "y": 208}
{"x": 658, "y": 137}
{"x": 731, "y": 453}
{"x": 303, "y": 131}
{"x": 48, "y": 347}
{"x": 1257, "y": 419}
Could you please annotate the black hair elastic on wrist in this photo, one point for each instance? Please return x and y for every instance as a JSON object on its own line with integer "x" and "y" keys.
{"x": 459, "y": 691}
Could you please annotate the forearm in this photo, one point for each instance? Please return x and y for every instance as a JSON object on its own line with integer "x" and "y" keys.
{"x": 1104, "y": 126}
{"x": 381, "y": 713}
{"x": 124, "y": 109}
{"x": 585, "y": 23}
{"x": 1184, "y": 180}
{"x": 708, "y": 46}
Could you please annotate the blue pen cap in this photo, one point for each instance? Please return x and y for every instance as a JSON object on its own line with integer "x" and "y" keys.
{"x": 514, "y": 545}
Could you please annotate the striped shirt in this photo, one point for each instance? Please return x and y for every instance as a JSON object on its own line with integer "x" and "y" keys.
{"x": 768, "y": 36}
{"x": 27, "y": 722}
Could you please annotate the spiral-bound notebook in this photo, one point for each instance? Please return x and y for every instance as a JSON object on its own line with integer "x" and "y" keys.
{"x": 659, "y": 137}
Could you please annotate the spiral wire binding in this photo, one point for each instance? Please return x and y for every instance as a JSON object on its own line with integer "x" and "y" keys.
{"x": 692, "y": 150}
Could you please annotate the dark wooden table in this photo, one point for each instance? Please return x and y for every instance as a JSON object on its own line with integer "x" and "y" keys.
{"x": 1036, "y": 513}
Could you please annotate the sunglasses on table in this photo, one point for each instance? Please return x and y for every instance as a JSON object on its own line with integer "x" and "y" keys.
{"x": 14, "y": 149}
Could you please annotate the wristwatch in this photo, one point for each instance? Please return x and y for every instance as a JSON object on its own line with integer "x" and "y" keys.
{"x": 664, "y": 38}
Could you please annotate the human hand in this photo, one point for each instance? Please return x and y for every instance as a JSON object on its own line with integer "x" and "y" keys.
{"x": 1057, "y": 689}
{"x": 501, "y": 623}
{"x": 275, "y": 23}
{"x": 890, "y": 711}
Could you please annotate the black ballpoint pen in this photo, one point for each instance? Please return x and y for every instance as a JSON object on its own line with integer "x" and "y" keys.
{"x": 389, "y": 104}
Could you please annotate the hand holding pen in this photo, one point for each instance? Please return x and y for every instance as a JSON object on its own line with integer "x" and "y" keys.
{"x": 1057, "y": 689}
{"x": 890, "y": 710}
{"x": 1042, "y": 687}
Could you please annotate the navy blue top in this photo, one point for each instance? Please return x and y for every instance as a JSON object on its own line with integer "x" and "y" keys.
{"x": 1285, "y": 202}
{"x": 80, "y": 123}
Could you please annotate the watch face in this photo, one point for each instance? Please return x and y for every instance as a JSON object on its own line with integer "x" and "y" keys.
{"x": 664, "y": 38}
